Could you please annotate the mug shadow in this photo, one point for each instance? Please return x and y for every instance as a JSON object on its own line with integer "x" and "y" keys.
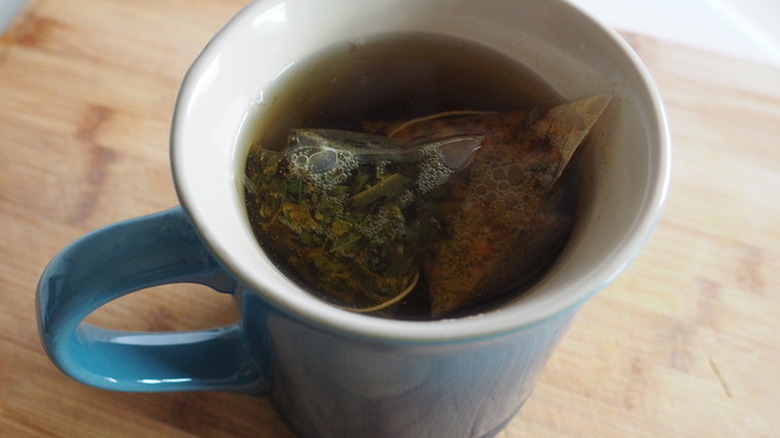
{"x": 209, "y": 414}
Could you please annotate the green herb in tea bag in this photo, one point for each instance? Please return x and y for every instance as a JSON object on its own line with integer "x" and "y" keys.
{"x": 351, "y": 214}
{"x": 504, "y": 222}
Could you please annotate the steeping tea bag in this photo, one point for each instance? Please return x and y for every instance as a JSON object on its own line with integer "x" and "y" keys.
{"x": 502, "y": 223}
{"x": 463, "y": 207}
{"x": 346, "y": 212}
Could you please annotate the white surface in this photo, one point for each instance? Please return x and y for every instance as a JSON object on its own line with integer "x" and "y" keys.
{"x": 8, "y": 11}
{"x": 744, "y": 28}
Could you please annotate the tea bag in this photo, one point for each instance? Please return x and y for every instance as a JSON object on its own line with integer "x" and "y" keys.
{"x": 345, "y": 211}
{"x": 503, "y": 223}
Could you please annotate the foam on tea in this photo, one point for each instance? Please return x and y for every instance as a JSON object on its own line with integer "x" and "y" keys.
{"x": 415, "y": 176}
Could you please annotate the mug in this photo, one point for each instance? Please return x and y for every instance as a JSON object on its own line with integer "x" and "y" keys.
{"x": 328, "y": 371}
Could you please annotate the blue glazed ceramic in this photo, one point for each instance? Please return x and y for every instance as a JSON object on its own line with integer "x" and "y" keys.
{"x": 119, "y": 259}
{"x": 333, "y": 373}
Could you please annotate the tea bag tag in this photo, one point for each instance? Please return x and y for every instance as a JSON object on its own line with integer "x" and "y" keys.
{"x": 570, "y": 123}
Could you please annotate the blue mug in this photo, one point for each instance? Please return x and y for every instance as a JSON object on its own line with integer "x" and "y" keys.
{"x": 330, "y": 372}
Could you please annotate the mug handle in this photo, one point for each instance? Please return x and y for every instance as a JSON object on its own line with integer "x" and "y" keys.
{"x": 125, "y": 257}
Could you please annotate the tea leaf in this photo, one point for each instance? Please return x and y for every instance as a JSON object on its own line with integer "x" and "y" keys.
{"x": 384, "y": 187}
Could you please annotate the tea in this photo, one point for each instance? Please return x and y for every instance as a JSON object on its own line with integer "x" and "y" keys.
{"x": 401, "y": 175}
{"x": 395, "y": 77}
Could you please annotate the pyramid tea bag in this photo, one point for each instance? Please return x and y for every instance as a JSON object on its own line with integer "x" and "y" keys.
{"x": 462, "y": 207}
{"x": 346, "y": 212}
{"x": 504, "y": 222}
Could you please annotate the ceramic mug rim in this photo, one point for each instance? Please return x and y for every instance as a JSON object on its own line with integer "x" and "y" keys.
{"x": 274, "y": 287}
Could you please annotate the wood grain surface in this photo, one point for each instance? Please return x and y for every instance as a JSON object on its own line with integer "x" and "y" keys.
{"x": 685, "y": 344}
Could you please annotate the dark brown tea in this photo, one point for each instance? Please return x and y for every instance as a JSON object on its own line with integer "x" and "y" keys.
{"x": 396, "y": 77}
{"x": 414, "y": 176}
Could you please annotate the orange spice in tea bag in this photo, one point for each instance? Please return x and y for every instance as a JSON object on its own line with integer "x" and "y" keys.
{"x": 502, "y": 220}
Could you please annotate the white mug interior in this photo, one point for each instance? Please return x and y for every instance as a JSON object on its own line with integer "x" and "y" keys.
{"x": 626, "y": 163}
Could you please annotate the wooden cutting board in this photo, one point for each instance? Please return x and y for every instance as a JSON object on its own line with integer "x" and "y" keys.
{"x": 684, "y": 344}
